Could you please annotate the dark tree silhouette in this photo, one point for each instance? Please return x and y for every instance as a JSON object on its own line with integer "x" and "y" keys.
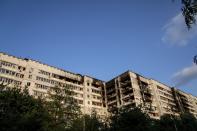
{"x": 128, "y": 119}
{"x": 62, "y": 107}
{"x": 21, "y": 112}
{"x": 88, "y": 123}
{"x": 195, "y": 59}
{"x": 189, "y": 11}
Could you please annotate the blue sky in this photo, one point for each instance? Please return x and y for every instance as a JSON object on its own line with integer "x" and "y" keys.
{"x": 103, "y": 38}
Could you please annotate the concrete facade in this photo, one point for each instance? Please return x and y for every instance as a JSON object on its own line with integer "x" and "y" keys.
{"x": 127, "y": 89}
{"x": 157, "y": 99}
{"x": 39, "y": 77}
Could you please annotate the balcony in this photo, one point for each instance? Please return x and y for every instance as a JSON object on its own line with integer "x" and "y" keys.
{"x": 111, "y": 102}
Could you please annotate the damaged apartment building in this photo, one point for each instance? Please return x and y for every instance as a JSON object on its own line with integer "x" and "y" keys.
{"x": 128, "y": 89}
{"x": 131, "y": 89}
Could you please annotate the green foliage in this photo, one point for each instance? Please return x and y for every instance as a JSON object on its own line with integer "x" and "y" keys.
{"x": 130, "y": 119}
{"x": 166, "y": 123}
{"x": 88, "y": 123}
{"x": 187, "y": 122}
{"x": 189, "y": 11}
{"x": 62, "y": 107}
{"x": 21, "y": 112}
{"x": 184, "y": 122}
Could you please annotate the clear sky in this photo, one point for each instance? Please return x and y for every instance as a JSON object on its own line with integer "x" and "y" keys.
{"x": 103, "y": 38}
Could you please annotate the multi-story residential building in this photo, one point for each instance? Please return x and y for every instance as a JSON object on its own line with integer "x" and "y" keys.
{"x": 39, "y": 78}
{"x": 157, "y": 99}
{"x": 128, "y": 89}
{"x": 131, "y": 89}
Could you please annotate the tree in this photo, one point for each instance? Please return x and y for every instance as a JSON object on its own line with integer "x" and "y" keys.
{"x": 195, "y": 59}
{"x": 62, "y": 107}
{"x": 130, "y": 119}
{"x": 21, "y": 112}
{"x": 88, "y": 123}
{"x": 187, "y": 122}
{"x": 166, "y": 123}
{"x": 189, "y": 11}
{"x": 184, "y": 122}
